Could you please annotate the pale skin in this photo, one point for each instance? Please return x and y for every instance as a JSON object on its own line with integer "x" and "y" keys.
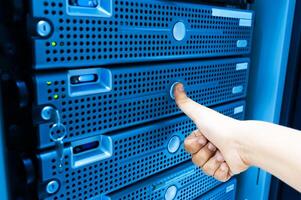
{"x": 223, "y": 146}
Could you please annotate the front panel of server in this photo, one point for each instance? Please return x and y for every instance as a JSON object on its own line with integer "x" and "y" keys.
{"x": 74, "y": 34}
{"x": 122, "y": 158}
{"x": 121, "y": 97}
{"x": 100, "y": 75}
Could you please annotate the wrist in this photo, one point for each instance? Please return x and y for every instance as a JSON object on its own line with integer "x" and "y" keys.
{"x": 244, "y": 142}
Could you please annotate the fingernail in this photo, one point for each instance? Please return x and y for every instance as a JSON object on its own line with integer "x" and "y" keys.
{"x": 180, "y": 87}
{"x": 211, "y": 147}
{"x": 223, "y": 168}
{"x": 192, "y": 139}
{"x": 219, "y": 157}
{"x": 202, "y": 141}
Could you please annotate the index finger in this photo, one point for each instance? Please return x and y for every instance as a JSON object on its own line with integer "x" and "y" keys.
{"x": 200, "y": 115}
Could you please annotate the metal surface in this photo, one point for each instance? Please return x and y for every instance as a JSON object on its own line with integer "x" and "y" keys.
{"x": 129, "y": 110}
{"x": 272, "y": 34}
{"x": 52, "y": 187}
{"x": 123, "y": 158}
{"x": 123, "y": 97}
{"x": 138, "y": 31}
{"x": 43, "y": 28}
{"x": 47, "y": 112}
{"x": 226, "y": 191}
{"x": 189, "y": 180}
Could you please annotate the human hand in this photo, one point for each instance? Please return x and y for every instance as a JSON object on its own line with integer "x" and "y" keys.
{"x": 215, "y": 146}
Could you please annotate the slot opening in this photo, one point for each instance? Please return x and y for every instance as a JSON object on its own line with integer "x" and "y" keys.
{"x": 88, "y": 78}
{"x": 85, "y": 147}
{"x": 84, "y": 3}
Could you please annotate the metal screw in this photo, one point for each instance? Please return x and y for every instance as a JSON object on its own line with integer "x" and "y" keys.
{"x": 43, "y": 28}
{"x": 47, "y": 112}
{"x": 52, "y": 187}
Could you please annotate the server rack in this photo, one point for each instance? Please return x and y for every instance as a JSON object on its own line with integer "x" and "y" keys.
{"x": 93, "y": 93}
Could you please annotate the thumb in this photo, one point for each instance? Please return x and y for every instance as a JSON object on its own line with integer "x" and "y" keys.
{"x": 204, "y": 118}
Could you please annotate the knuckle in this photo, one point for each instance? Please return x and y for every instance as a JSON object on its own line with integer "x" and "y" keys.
{"x": 209, "y": 169}
{"x": 206, "y": 167}
{"x": 197, "y": 160}
{"x": 188, "y": 145}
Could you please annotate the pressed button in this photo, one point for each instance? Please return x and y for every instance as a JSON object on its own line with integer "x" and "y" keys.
{"x": 171, "y": 91}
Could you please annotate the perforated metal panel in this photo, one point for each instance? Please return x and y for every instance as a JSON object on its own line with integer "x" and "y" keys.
{"x": 187, "y": 182}
{"x": 131, "y": 96}
{"x": 126, "y": 31}
{"x": 226, "y": 191}
{"x": 133, "y": 155}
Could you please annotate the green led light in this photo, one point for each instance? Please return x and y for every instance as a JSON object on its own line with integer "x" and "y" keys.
{"x": 53, "y": 44}
{"x": 55, "y": 96}
{"x": 48, "y": 82}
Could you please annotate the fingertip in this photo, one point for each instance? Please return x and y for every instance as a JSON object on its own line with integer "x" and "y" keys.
{"x": 222, "y": 174}
{"x": 179, "y": 93}
{"x": 187, "y": 105}
{"x": 191, "y": 145}
{"x": 211, "y": 147}
{"x": 224, "y": 167}
{"x": 219, "y": 157}
{"x": 179, "y": 88}
{"x": 189, "y": 141}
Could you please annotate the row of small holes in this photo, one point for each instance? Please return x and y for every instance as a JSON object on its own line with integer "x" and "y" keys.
{"x": 220, "y": 195}
{"x": 114, "y": 170}
{"x": 186, "y": 126}
{"x": 71, "y": 34}
{"x": 108, "y": 103}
